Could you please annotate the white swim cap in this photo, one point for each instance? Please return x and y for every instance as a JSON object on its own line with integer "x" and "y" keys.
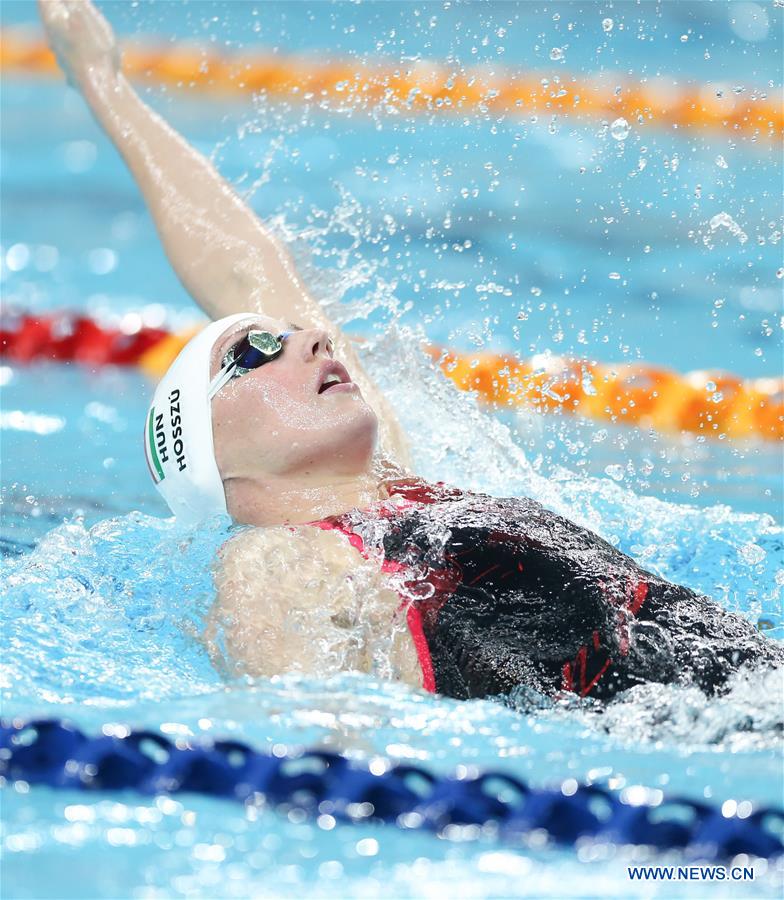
{"x": 178, "y": 430}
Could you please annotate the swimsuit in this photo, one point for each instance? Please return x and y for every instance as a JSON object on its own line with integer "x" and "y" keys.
{"x": 501, "y": 594}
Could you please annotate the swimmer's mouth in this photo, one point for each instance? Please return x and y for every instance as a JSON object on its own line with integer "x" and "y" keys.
{"x": 333, "y": 376}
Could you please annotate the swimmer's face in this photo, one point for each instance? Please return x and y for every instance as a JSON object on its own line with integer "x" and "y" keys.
{"x": 282, "y": 419}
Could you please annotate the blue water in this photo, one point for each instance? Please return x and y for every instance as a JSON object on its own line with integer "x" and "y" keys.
{"x": 403, "y": 223}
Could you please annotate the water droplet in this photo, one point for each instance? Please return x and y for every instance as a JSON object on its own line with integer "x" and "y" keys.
{"x": 725, "y": 220}
{"x": 556, "y": 53}
{"x": 779, "y": 273}
{"x": 421, "y": 590}
{"x": 102, "y": 260}
{"x": 536, "y": 291}
{"x": 751, "y": 554}
{"x": 721, "y": 162}
{"x": 684, "y": 38}
{"x": 45, "y": 257}
{"x": 615, "y": 472}
{"x": 17, "y": 257}
{"x": 367, "y": 846}
{"x": 620, "y": 129}
{"x": 710, "y": 387}
{"x": 607, "y": 25}
{"x": 615, "y": 276}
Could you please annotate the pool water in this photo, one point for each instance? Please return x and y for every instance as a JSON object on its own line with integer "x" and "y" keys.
{"x": 491, "y": 232}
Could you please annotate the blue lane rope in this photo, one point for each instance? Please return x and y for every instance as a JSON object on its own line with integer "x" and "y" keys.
{"x": 54, "y": 753}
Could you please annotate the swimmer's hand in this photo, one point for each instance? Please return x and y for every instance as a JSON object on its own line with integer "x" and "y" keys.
{"x": 82, "y": 40}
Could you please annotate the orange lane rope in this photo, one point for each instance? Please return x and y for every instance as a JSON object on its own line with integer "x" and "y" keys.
{"x": 714, "y": 404}
{"x": 423, "y": 85}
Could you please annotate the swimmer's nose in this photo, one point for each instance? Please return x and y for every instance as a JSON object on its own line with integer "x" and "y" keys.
{"x": 316, "y": 342}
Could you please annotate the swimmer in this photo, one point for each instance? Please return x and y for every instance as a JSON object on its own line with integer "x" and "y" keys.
{"x": 349, "y": 560}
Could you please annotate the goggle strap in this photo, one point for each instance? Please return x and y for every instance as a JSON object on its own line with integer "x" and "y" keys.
{"x": 223, "y": 377}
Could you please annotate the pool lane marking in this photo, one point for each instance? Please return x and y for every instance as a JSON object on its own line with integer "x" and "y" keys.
{"x": 428, "y": 85}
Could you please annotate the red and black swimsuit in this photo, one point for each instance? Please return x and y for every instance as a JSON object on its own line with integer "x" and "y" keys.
{"x": 502, "y": 594}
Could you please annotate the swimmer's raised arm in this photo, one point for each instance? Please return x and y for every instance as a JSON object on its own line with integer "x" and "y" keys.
{"x": 223, "y": 254}
{"x": 228, "y": 261}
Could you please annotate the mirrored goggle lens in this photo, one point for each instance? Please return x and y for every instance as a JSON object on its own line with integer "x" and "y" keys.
{"x": 248, "y": 357}
{"x": 256, "y": 348}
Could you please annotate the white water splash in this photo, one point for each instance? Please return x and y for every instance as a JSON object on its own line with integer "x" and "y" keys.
{"x": 724, "y": 220}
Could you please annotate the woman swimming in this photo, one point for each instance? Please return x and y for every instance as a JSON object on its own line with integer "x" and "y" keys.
{"x": 349, "y": 560}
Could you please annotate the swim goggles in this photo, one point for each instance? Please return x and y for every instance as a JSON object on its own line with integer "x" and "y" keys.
{"x": 255, "y": 349}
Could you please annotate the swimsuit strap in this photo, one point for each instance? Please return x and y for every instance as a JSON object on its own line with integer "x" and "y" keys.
{"x": 418, "y": 490}
{"x": 413, "y": 491}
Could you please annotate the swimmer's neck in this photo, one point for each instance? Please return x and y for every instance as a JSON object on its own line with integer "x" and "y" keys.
{"x": 297, "y": 500}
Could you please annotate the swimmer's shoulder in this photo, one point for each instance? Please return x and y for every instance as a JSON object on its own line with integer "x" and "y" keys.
{"x": 287, "y": 545}
{"x": 285, "y": 566}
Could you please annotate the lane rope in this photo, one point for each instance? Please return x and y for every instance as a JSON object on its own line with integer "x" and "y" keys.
{"x": 429, "y": 86}
{"x": 713, "y": 404}
{"x": 325, "y": 784}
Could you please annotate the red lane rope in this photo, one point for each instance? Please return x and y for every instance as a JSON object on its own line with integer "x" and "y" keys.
{"x": 710, "y": 403}
{"x": 69, "y": 338}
